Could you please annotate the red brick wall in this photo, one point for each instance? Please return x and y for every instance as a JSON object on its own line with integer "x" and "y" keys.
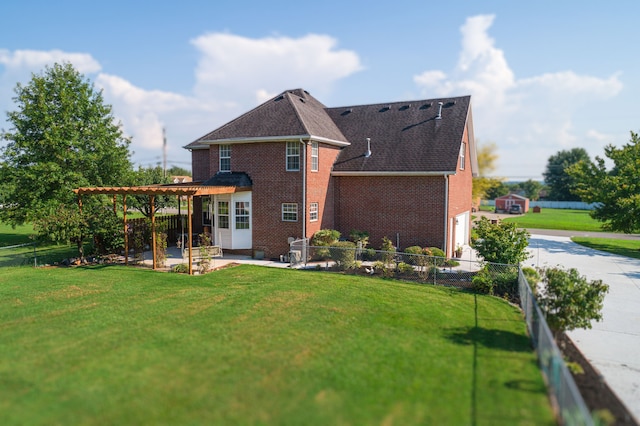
{"x": 385, "y": 206}
{"x": 320, "y": 188}
{"x": 201, "y": 172}
{"x": 460, "y": 188}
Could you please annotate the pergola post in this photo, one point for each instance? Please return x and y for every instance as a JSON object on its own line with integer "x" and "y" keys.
{"x": 152, "y": 199}
{"x": 190, "y": 231}
{"x": 126, "y": 230}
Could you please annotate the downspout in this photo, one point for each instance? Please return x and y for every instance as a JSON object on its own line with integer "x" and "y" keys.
{"x": 446, "y": 213}
{"x": 304, "y": 189}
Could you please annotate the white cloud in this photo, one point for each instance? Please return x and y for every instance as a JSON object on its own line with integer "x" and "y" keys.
{"x": 529, "y": 119}
{"x": 30, "y": 60}
{"x": 233, "y": 75}
{"x": 232, "y": 67}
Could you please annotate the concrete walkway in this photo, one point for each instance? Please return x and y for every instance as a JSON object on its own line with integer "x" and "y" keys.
{"x": 612, "y": 345}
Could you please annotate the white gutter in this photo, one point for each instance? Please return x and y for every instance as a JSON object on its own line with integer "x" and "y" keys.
{"x": 391, "y": 173}
{"x": 230, "y": 141}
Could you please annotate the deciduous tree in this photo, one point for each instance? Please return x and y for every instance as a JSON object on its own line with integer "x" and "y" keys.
{"x": 500, "y": 242}
{"x": 556, "y": 176}
{"x": 63, "y": 136}
{"x": 569, "y": 300}
{"x": 617, "y": 190}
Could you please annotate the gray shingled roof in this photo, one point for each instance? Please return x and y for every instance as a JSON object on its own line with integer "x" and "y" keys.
{"x": 238, "y": 179}
{"x": 292, "y": 113}
{"x": 405, "y": 136}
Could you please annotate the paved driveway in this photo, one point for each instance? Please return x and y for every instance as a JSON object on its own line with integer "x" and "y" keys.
{"x": 612, "y": 345}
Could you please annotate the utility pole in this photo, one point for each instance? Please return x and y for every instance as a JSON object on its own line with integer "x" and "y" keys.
{"x": 164, "y": 152}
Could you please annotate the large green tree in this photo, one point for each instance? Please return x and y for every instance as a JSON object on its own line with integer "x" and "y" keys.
{"x": 617, "y": 190}
{"x": 63, "y": 136}
{"x": 556, "y": 176}
{"x": 150, "y": 176}
{"x": 500, "y": 242}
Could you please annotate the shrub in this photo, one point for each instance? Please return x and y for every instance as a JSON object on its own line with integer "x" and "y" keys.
{"x": 438, "y": 254}
{"x": 324, "y": 238}
{"x": 181, "y": 268}
{"x": 344, "y": 254}
{"x": 503, "y": 283}
{"x": 405, "y": 268}
{"x": 368, "y": 254}
{"x": 388, "y": 249}
{"x": 500, "y": 242}
{"x": 568, "y": 300}
{"x": 359, "y": 237}
{"x": 533, "y": 278}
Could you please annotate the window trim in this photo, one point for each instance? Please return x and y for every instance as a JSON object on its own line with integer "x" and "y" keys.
{"x": 285, "y": 211}
{"x": 315, "y": 157}
{"x": 313, "y": 212}
{"x": 463, "y": 151}
{"x": 293, "y": 146}
{"x": 221, "y": 215}
{"x": 226, "y": 150}
{"x": 241, "y": 211}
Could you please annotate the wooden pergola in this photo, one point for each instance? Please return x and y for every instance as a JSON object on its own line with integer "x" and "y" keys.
{"x": 189, "y": 190}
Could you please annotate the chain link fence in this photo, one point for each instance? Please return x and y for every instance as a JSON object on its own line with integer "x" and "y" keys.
{"x": 498, "y": 279}
{"x": 19, "y": 255}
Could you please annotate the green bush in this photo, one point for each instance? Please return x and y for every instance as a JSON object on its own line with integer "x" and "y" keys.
{"x": 181, "y": 268}
{"x": 359, "y": 237}
{"x": 344, "y": 254}
{"x": 405, "y": 268}
{"x": 438, "y": 254}
{"x": 324, "y": 238}
{"x": 533, "y": 278}
{"x": 388, "y": 249}
{"x": 503, "y": 283}
{"x": 368, "y": 254}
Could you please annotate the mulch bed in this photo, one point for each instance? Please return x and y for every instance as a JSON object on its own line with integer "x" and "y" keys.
{"x": 595, "y": 392}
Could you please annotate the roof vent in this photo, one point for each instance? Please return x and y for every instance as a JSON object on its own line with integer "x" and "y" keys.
{"x": 405, "y": 107}
{"x": 348, "y": 111}
{"x": 385, "y": 108}
{"x": 425, "y": 106}
{"x": 439, "y": 111}
{"x": 368, "y": 153}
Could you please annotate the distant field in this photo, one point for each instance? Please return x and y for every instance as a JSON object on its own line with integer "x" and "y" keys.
{"x": 256, "y": 345}
{"x": 576, "y": 220}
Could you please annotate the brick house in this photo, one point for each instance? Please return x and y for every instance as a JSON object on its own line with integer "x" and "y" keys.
{"x": 401, "y": 170}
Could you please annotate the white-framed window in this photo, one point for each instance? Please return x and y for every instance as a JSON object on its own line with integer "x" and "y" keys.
{"x": 289, "y": 212}
{"x": 463, "y": 150}
{"x": 293, "y": 156}
{"x": 313, "y": 212}
{"x": 225, "y": 158}
{"x": 314, "y": 156}
{"x": 242, "y": 215}
{"x": 223, "y": 214}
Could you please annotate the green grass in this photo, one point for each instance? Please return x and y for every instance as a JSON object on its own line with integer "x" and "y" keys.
{"x": 46, "y": 253}
{"x": 256, "y": 345}
{"x": 575, "y": 220}
{"x": 629, "y": 248}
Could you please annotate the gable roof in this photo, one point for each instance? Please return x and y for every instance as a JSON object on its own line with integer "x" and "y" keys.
{"x": 408, "y": 137}
{"x": 292, "y": 115}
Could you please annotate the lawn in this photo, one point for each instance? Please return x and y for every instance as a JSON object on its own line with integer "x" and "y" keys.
{"x": 576, "y": 220}
{"x": 45, "y": 252}
{"x": 629, "y": 248}
{"x": 256, "y": 345}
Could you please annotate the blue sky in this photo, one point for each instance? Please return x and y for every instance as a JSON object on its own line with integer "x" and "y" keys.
{"x": 543, "y": 76}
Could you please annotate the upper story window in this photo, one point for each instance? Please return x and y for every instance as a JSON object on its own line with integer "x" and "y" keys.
{"x": 314, "y": 156}
{"x": 293, "y": 156}
{"x": 289, "y": 212}
{"x": 313, "y": 212}
{"x": 463, "y": 150}
{"x": 225, "y": 158}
